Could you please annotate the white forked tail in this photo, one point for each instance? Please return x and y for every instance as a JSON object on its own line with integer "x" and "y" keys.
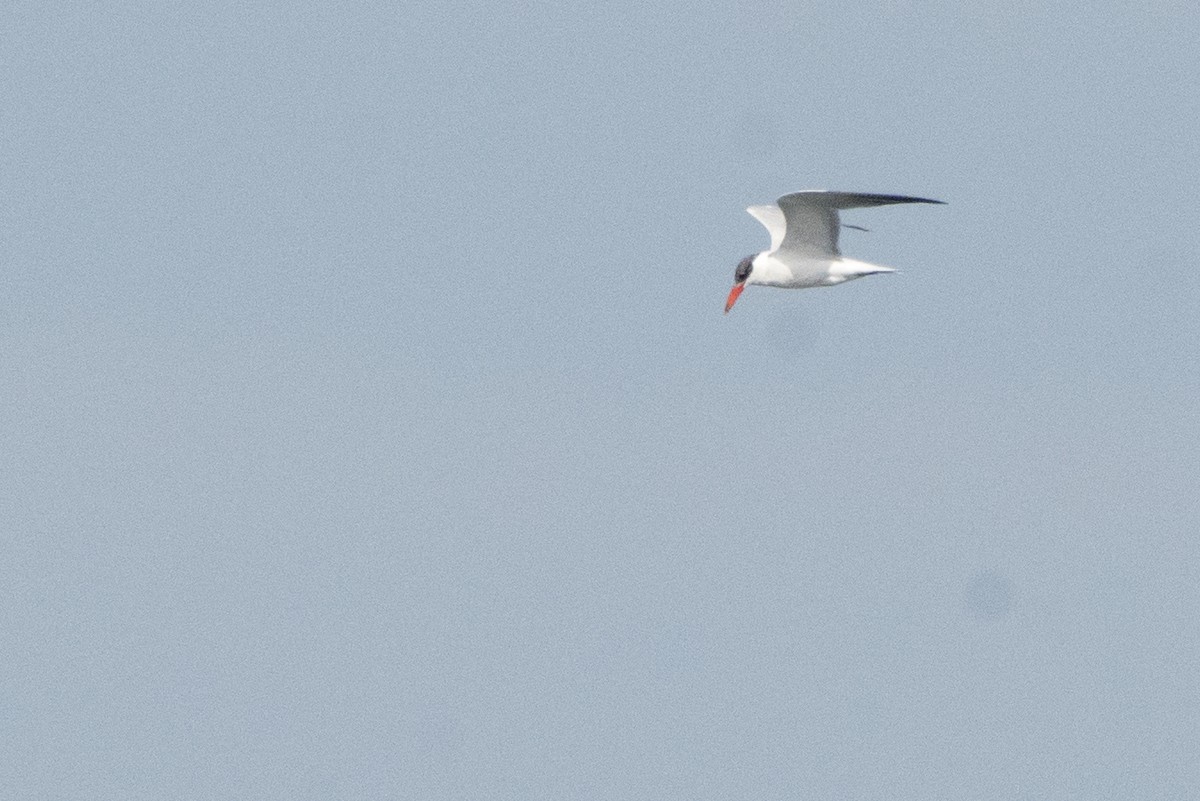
{"x": 846, "y": 269}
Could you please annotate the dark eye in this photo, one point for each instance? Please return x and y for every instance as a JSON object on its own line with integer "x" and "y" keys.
{"x": 743, "y": 270}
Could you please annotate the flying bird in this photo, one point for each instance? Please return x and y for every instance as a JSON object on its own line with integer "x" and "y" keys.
{"x": 804, "y": 242}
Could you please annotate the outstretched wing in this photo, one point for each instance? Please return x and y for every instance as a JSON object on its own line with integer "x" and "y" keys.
{"x": 811, "y": 218}
{"x": 772, "y": 218}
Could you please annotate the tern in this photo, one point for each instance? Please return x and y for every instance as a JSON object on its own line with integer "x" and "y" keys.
{"x": 804, "y": 242}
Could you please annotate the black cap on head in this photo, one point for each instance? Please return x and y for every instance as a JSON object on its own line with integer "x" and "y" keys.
{"x": 743, "y": 269}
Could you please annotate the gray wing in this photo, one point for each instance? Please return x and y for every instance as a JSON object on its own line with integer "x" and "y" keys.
{"x": 812, "y": 218}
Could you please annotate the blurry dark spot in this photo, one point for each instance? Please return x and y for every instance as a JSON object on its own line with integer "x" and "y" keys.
{"x": 988, "y": 595}
{"x": 765, "y": 145}
{"x": 791, "y": 333}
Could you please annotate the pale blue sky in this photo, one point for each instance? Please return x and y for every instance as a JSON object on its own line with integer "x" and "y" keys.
{"x": 371, "y": 428}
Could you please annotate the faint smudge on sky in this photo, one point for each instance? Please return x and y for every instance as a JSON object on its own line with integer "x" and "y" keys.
{"x": 988, "y": 595}
{"x": 791, "y": 333}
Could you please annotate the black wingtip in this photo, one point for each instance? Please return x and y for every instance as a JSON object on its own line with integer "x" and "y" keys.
{"x": 885, "y": 199}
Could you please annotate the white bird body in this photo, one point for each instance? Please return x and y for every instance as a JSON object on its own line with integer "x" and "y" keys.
{"x": 804, "y": 272}
{"x": 804, "y": 242}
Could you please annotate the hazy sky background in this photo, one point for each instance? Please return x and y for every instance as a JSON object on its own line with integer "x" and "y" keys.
{"x": 371, "y": 428}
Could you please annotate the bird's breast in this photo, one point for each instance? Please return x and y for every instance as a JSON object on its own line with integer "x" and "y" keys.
{"x": 790, "y": 272}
